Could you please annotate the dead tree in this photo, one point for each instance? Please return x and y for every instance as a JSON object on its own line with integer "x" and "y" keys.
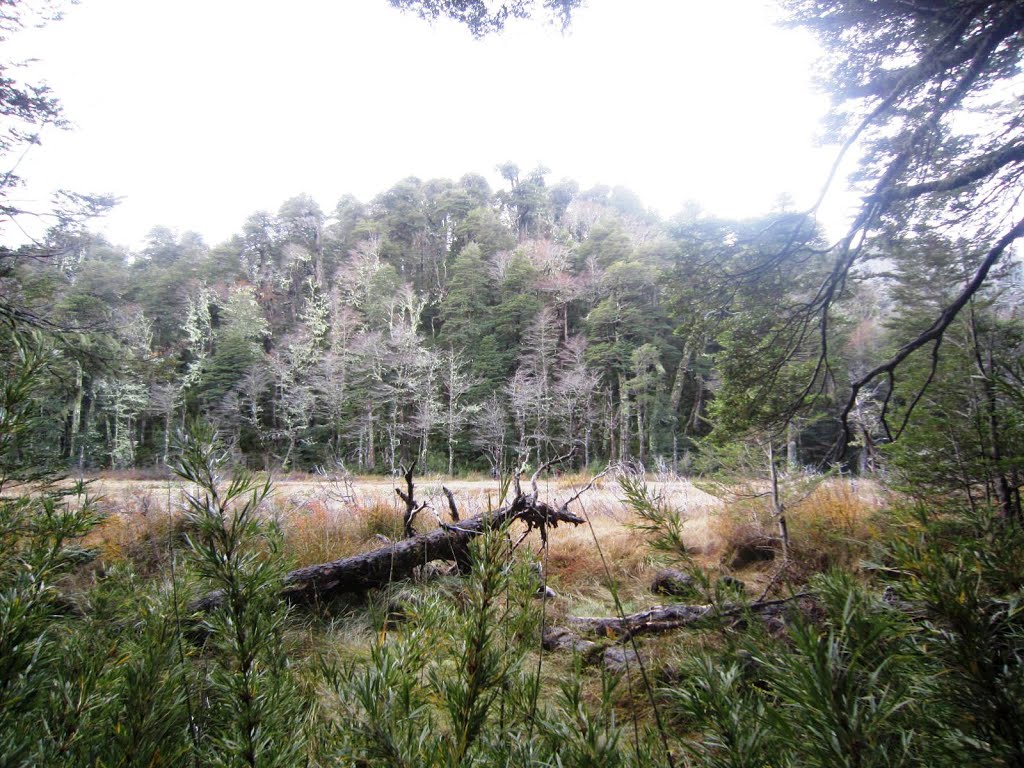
{"x": 397, "y": 561}
{"x": 408, "y": 496}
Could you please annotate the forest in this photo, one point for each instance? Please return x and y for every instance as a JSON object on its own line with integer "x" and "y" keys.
{"x": 441, "y": 321}
{"x": 465, "y": 328}
{"x": 529, "y": 474}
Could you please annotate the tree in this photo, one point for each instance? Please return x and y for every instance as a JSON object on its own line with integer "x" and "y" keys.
{"x": 921, "y": 90}
{"x": 456, "y": 383}
{"x": 160, "y": 276}
{"x": 490, "y": 425}
{"x": 300, "y": 224}
{"x": 237, "y": 346}
{"x": 924, "y": 92}
{"x": 121, "y": 392}
{"x": 293, "y": 364}
{"x": 485, "y": 228}
{"x": 966, "y": 435}
{"x": 482, "y": 17}
{"x": 408, "y": 240}
{"x": 513, "y": 315}
{"x": 27, "y": 108}
{"x": 469, "y": 296}
{"x": 648, "y": 373}
{"x": 526, "y": 201}
{"x": 576, "y": 387}
{"x": 340, "y": 236}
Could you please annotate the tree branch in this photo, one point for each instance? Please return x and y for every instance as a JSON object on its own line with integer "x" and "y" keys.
{"x": 934, "y": 332}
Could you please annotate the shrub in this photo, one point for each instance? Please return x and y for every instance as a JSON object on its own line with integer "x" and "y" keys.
{"x": 256, "y": 712}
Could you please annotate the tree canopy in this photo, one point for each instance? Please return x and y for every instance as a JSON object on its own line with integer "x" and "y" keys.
{"x": 483, "y": 18}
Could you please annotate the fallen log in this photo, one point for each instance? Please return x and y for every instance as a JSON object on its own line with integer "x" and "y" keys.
{"x": 664, "y": 618}
{"x": 561, "y": 639}
{"x": 659, "y": 618}
{"x": 397, "y": 560}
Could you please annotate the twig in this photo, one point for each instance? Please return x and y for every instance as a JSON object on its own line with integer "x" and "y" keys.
{"x": 546, "y": 466}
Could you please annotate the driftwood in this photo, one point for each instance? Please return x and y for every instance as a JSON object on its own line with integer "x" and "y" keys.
{"x": 397, "y": 560}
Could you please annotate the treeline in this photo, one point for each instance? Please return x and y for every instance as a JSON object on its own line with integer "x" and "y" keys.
{"x": 468, "y": 327}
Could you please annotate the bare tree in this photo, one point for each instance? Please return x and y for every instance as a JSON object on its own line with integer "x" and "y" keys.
{"x": 456, "y": 383}
{"x": 490, "y": 428}
{"x": 576, "y": 388}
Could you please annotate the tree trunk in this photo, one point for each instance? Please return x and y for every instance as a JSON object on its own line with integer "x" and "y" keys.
{"x": 167, "y": 435}
{"x": 663, "y": 618}
{"x": 76, "y": 413}
{"x": 640, "y": 436}
{"x": 623, "y": 419}
{"x": 87, "y": 418}
{"x": 791, "y": 447}
{"x": 778, "y": 510}
{"x": 371, "y": 449}
{"x": 1008, "y": 510}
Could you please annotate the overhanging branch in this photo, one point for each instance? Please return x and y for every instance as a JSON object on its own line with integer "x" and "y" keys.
{"x": 934, "y": 333}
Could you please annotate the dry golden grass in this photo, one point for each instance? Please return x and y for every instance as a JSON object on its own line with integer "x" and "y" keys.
{"x": 323, "y": 521}
{"x": 831, "y": 522}
{"x": 575, "y": 565}
{"x": 835, "y": 524}
{"x": 574, "y": 562}
{"x": 316, "y": 534}
{"x": 320, "y": 521}
{"x": 139, "y": 525}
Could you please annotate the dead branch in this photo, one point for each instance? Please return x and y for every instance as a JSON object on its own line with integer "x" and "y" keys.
{"x": 409, "y": 498}
{"x": 654, "y": 619}
{"x": 454, "y": 510}
{"x": 397, "y": 560}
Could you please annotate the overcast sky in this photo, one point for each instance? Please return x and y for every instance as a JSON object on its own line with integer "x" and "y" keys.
{"x": 200, "y": 112}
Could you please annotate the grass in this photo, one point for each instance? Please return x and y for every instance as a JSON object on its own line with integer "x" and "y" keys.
{"x": 320, "y": 523}
{"x": 453, "y": 641}
{"x": 832, "y": 523}
{"x": 829, "y": 525}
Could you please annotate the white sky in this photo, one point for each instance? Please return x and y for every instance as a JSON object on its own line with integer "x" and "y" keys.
{"x": 200, "y": 112}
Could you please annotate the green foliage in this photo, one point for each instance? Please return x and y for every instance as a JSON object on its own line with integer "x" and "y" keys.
{"x": 81, "y": 682}
{"x": 256, "y": 711}
{"x": 38, "y": 537}
{"x": 661, "y": 523}
{"x": 731, "y": 714}
{"x": 430, "y": 692}
{"x": 843, "y": 689}
{"x": 966, "y": 436}
{"x": 840, "y": 692}
{"x": 582, "y": 734}
{"x": 930, "y": 675}
{"x": 118, "y": 696}
{"x": 967, "y": 573}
